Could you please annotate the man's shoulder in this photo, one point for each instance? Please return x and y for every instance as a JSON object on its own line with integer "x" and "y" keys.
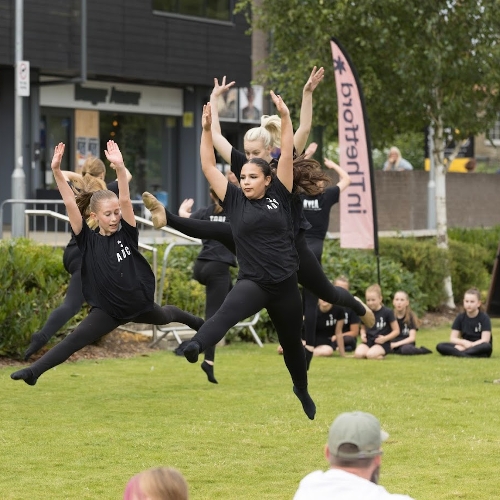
{"x": 336, "y": 483}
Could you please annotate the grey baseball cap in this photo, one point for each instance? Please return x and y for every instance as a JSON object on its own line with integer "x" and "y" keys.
{"x": 359, "y": 429}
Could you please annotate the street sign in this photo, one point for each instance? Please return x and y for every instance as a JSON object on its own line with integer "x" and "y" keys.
{"x": 23, "y": 79}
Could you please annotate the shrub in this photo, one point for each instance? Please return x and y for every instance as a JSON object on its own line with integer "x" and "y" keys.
{"x": 33, "y": 284}
{"x": 468, "y": 268}
{"x": 489, "y": 238}
{"x": 360, "y": 266}
{"x": 425, "y": 261}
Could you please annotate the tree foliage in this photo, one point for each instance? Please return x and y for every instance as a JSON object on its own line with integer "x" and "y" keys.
{"x": 419, "y": 61}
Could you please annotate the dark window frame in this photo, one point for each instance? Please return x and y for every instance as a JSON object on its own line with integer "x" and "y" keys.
{"x": 187, "y": 17}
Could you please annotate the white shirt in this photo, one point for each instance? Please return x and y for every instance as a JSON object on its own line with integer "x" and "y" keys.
{"x": 341, "y": 485}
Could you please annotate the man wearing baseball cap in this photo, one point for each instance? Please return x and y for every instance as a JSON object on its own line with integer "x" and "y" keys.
{"x": 354, "y": 454}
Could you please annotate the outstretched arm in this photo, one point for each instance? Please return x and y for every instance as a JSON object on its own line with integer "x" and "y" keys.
{"x": 285, "y": 163}
{"x": 344, "y": 179}
{"x": 214, "y": 176}
{"x": 114, "y": 156}
{"x": 75, "y": 217}
{"x": 220, "y": 143}
{"x": 306, "y": 109}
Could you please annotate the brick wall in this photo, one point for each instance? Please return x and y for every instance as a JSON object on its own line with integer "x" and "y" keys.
{"x": 473, "y": 200}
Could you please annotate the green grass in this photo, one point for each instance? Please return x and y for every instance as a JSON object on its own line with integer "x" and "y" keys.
{"x": 86, "y": 427}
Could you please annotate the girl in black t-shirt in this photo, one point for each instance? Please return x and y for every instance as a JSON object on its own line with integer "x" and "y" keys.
{"x": 212, "y": 269}
{"x": 376, "y": 341}
{"x": 317, "y": 212}
{"x": 261, "y": 223}
{"x": 91, "y": 179}
{"x": 259, "y": 142}
{"x": 117, "y": 281}
{"x": 471, "y": 331}
{"x": 329, "y": 324}
{"x": 404, "y": 343}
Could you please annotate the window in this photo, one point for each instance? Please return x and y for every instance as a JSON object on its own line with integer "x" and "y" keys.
{"x": 218, "y": 10}
{"x": 494, "y": 134}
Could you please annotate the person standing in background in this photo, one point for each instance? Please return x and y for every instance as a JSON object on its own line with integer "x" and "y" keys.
{"x": 395, "y": 162}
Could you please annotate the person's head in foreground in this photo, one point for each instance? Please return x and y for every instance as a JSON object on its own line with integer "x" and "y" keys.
{"x": 162, "y": 483}
{"x": 354, "y": 452}
{"x": 354, "y": 442}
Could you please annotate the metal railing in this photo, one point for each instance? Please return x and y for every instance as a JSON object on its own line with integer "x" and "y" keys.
{"x": 45, "y": 204}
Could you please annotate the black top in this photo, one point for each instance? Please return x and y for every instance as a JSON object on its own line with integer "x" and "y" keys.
{"x": 317, "y": 211}
{"x": 115, "y": 276}
{"x": 111, "y": 186}
{"x": 404, "y": 328}
{"x": 471, "y": 328}
{"x": 262, "y": 232}
{"x": 326, "y": 322}
{"x": 238, "y": 159}
{"x": 350, "y": 318}
{"x": 383, "y": 319}
{"x": 212, "y": 249}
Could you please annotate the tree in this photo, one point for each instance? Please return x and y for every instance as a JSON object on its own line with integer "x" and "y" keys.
{"x": 420, "y": 63}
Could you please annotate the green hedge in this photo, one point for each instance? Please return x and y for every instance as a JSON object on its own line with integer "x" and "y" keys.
{"x": 33, "y": 284}
{"x": 34, "y": 281}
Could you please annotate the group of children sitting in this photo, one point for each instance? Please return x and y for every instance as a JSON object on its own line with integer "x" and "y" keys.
{"x": 395, "y": 330}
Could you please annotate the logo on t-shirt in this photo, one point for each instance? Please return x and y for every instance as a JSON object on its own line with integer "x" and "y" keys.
{"x": 218, "y": 218}
{"x": 331, "y": 320}
{"x": 380, "y": 324}
{"x": 311, "y": 205}
{"x": 272, "y": 203}
{"x": 478, "y": 328}
{"x": 123, "y": 252}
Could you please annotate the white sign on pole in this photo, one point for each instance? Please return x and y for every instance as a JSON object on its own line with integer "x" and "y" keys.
{"x": 23, "y": 78}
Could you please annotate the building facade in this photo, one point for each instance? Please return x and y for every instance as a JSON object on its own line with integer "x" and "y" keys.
{"x": 138, "y": 73}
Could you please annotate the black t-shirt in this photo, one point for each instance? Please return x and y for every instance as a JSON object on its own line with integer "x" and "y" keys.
{"x": 111, "y": 186}
{"x": 212, "y": 249}
{"x": 350, "y": 318}
{"x": 404, "y": 328}
{"x": 238, "y": 159}
{"x": 115, "y": 276}
{"x": 317, "y": 211}
{"x": 262, "y": 232}
{"x": 383, "y": 319}
{"x": 326, "y": 323}
{"x": 471, "y": 328}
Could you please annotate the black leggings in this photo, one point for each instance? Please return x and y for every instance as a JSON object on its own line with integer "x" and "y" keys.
{"x": 310, "y": 273}
{"x": 217, "y": 280}
{"x": 73, "y": 301}
{"x": 284, "y": 305}
{"x": 311, "y": 300}
{"x": 483, "y": 350}
{"x": 98, "y": 323}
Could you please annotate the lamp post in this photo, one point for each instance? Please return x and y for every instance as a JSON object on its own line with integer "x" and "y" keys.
{"x": 18, "y": 178}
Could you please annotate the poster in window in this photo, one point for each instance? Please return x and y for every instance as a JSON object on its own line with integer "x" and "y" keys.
{"x": 251, "y": 101}
{"x": 228, "y": 106}
{"x": 93, "y": 146}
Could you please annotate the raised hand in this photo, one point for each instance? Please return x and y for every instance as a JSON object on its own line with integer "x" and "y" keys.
{"x": 114, "y": 155}
{"x": 57, "y": 158}
{"x": 186, "y": 206}
{"x": 281, "y": 107}
{"x": 311, "y": 149}
{"x": 314, "y": 78}
{"x": 206, "y": 117}
{"x": 223, "y": 87}
{"x": 330, "y": 164}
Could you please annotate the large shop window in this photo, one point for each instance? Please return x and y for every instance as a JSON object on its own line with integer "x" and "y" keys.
{"x": 219, "y": 10}
{"x": 140, "y": 140}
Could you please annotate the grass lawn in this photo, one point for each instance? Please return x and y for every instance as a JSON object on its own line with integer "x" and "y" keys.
{"x": 86, "y": 427}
